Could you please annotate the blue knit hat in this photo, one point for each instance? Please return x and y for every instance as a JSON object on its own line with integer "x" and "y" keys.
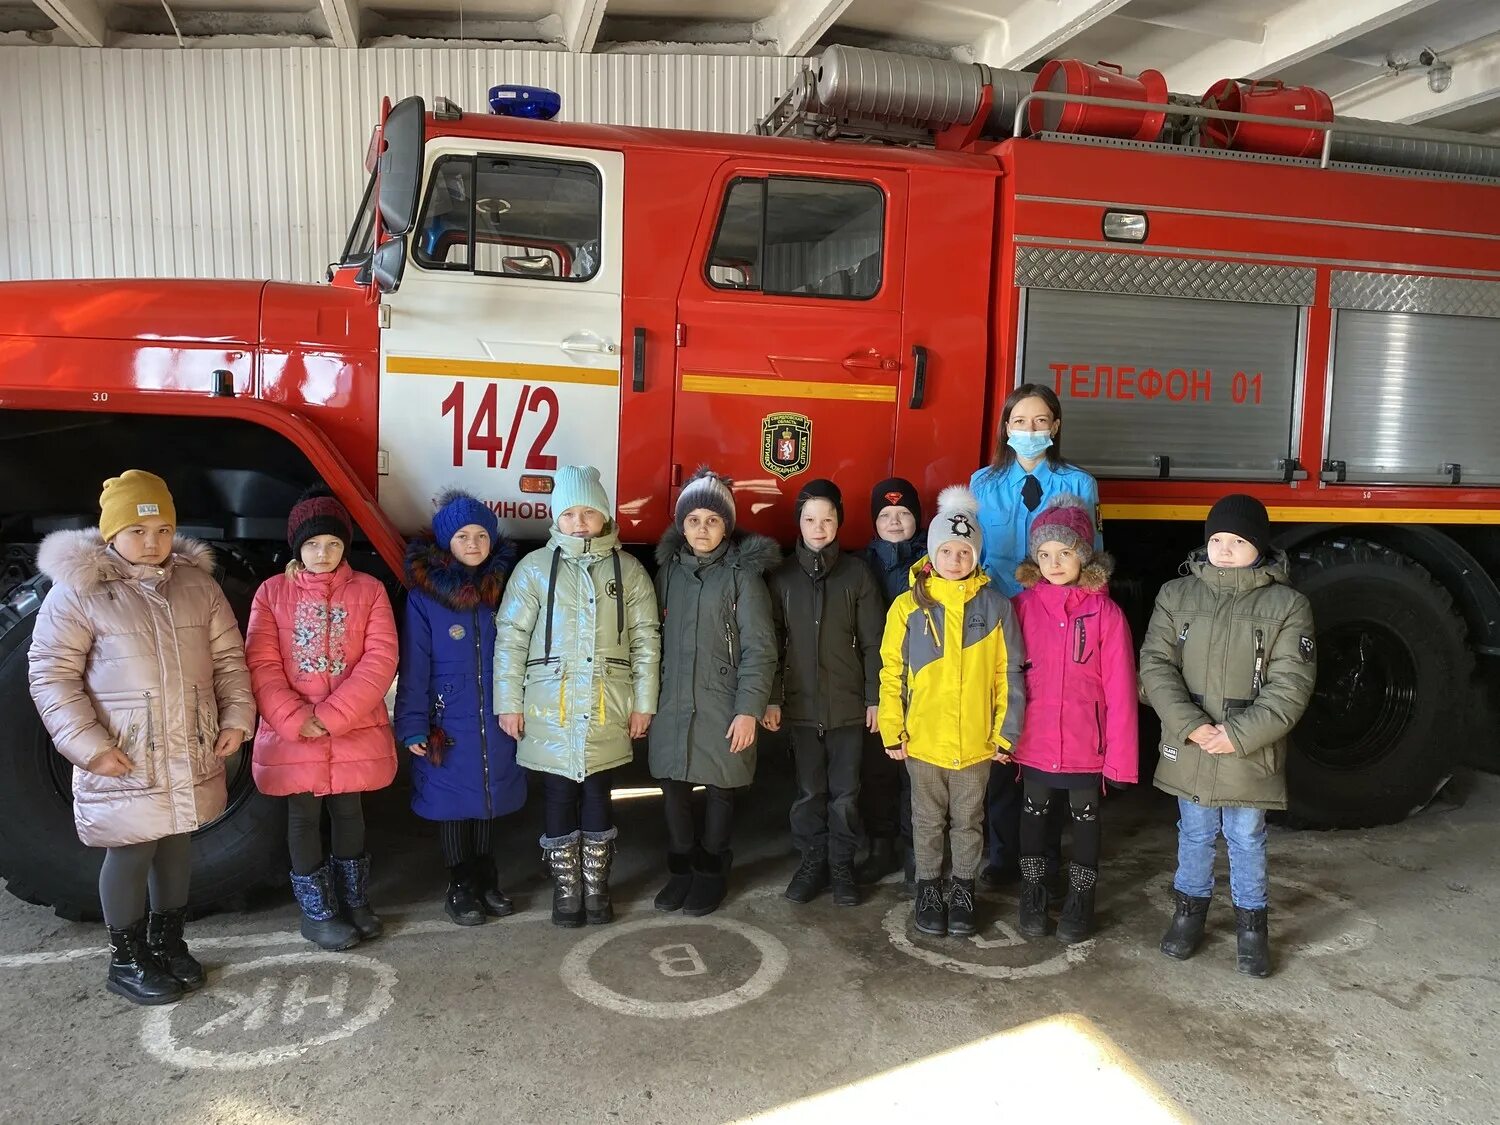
{"x": 579, "y": 486}
{"x": 458, "y": 509}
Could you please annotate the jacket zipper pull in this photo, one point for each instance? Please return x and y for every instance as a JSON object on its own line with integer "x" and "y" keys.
{"x": 1260, "y": 661}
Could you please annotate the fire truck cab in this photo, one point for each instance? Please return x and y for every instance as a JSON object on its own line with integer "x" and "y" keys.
{"x": 518, "y": 294}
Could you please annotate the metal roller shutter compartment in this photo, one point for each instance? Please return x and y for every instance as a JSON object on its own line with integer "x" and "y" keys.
{"x": 1210, "y": 385}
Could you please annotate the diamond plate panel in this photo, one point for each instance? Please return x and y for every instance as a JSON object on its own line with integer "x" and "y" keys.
{"x": 1390, "y": 292}
{"x": 1153, "y": 276}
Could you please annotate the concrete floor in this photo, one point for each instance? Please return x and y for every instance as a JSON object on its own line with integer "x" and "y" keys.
{"x": 1382, "y": 1009}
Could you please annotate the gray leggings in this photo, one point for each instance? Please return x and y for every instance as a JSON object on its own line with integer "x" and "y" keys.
{"x": 304, "y": 829}
{"x": 164, "y": 866}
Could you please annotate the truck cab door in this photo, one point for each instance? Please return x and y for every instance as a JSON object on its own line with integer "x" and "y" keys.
{"x": 501, "y": 359}
{"x": 789, "y": 335}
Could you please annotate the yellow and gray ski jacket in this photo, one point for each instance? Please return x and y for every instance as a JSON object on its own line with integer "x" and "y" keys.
{"x": 951, "y": 681}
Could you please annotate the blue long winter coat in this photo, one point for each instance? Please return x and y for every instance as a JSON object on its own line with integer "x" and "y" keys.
{"x": 447, "y": 665}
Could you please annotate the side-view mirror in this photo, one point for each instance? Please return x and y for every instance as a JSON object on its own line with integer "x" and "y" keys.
{"x": 403, "y": 135}
{"x": 387, "y": 264}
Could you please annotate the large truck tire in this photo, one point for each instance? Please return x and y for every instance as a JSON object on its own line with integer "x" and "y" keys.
{"x": 42, "y": 861}
{"x": 1392, "y": 705}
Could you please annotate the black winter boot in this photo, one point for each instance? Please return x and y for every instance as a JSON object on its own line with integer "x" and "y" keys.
{"x": 1253, "y": 942}
{"x": 1032, "y": 920}
{"x": 1075, "y": 922}
{"x": 565, "y": 862}
{"x": 841, "y": 878}
{"x": 1185, "y": 934}
{"x": 164, "y": 939}
{"x": 932, "y": 911}
{"x": 710, "y": 883}
{"x": 462, "y": 902}
{"x": 882, "y": 860}
{"x": 492, "y": 900}
{"x": 679, "y": 879}
{"x": 134, "y": 973}
{"x": 352, "y": 877}
{"x": 321, "y": 923}
{"x": 961, "y": 908}
{"x": 598, "y": 856}
{"x": 811, "y": 876}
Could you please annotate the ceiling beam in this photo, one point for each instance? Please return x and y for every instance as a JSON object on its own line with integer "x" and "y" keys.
{"x": 1406, "y": 97}
{"x": 343, "y": 21}
{"x": 1037, "y": 28}
{"x": 580, "y": 24}
{"x": 1299, "y": 31}
{"x": 1210, "y": 23}
{"x": 797, "y": 25}
{"x": 80, "y": 20}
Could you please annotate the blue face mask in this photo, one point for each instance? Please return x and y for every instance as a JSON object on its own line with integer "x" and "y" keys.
{"x": 1029, "y": 443}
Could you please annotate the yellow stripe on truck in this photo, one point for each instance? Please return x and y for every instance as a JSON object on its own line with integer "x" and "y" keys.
{"x": 497, "y": 369}
{"x": 1193, "y": 512}
{"x": 785, "y": 388}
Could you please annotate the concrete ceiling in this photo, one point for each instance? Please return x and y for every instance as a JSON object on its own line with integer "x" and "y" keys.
{"x": 1369, "y": 54}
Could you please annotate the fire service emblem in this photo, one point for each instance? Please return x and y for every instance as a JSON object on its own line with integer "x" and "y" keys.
{"x": 785, "y": 444}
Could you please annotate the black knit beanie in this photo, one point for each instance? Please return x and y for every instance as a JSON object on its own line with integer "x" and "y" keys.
{"x": 318, "y": 512}
{"x": 1240, "y": 515}
{"x": 896, "y": 492}
{"x": 822, "y": 489}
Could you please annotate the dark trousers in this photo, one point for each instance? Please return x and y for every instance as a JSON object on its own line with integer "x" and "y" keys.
{"x": 718, "y": 817}
{"x": 464, "y": 840}
{"x": 569, "y": 805}
{"x": 1003, "y": 820}
{"x": 304, "y": 828}
{"x": 825, "y": 815}
{"x": 163, "y": 865}
{"x": 1038, "y": 803}
{"x": 884, "y": 793}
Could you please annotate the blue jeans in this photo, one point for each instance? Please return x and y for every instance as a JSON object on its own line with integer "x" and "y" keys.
{"x": 1197, "y": 833}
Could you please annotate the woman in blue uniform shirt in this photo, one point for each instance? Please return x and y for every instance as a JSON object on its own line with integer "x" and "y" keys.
{"x": 1025, "y": 475}
{"x": 1027, "y": 472}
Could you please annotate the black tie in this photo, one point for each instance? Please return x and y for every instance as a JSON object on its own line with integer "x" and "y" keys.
{"x": 1031, "y": 492}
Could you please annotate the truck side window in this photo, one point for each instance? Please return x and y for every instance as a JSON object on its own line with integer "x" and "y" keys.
{"x": 803, "y": 237}
{"x": 511, "y": 216}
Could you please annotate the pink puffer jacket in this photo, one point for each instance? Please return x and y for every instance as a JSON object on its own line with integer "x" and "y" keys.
{"x": 322, "y": 645}
{"x": 145, "y": 658}
{"x": 1081, "y": 695}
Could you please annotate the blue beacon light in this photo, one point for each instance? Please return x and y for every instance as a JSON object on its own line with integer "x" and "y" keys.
{"x": 525, "y": 101}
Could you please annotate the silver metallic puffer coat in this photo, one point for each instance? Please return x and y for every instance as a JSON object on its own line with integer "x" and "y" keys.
{"x": 145, "y": 658}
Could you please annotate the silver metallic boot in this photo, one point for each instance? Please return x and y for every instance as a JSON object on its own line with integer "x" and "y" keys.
{"x": 598, "y": 855}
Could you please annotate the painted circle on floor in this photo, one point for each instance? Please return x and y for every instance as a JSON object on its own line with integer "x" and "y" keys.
{"x": 674, "y": 960}
{"x": 1007, "y": 955}
{"x": 284, "y": 1005}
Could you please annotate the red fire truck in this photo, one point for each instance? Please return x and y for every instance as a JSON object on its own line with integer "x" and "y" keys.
{"x": 1237, "y": 291}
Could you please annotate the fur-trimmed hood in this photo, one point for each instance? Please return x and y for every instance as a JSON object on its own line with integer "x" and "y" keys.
{"x": 748, "y": 550}
{"x": 82, "y": 560}
{"x": 433, "y": 570}
{"x": 1093, "y": 577}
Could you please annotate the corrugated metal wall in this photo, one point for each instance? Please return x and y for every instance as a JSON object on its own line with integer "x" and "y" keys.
{"x": 249, "y": 163}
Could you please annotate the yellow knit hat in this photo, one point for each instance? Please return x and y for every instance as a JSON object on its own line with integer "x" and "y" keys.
{"x": 131, "y": 497}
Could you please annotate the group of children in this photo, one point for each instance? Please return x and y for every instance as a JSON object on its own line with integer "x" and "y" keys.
{"x": 900, "y": 674}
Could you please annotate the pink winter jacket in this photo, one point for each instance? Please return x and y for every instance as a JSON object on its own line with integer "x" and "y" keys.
{"x": 322, "y": 645}
{"x": 1081, "y": 695}
{"x": 147, "y": 659}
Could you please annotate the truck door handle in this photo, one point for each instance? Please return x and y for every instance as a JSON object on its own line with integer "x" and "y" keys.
{"x": 919, "y": 376}
{"x": 638, "y": 360}
{"x": 870, "y": 360}
{"x": 587, "y": 341}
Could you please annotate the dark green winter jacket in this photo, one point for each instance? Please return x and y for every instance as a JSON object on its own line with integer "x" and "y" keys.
{"x": 830, "y": 617}
{"x": 1233, "y": 647}
{"x": 718, "y": 656}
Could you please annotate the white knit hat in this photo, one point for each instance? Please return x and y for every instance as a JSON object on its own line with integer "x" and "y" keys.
{"x": 578, "y": 486}
{"x": 957, "y": 520}
{"x": 710, "y": 491}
